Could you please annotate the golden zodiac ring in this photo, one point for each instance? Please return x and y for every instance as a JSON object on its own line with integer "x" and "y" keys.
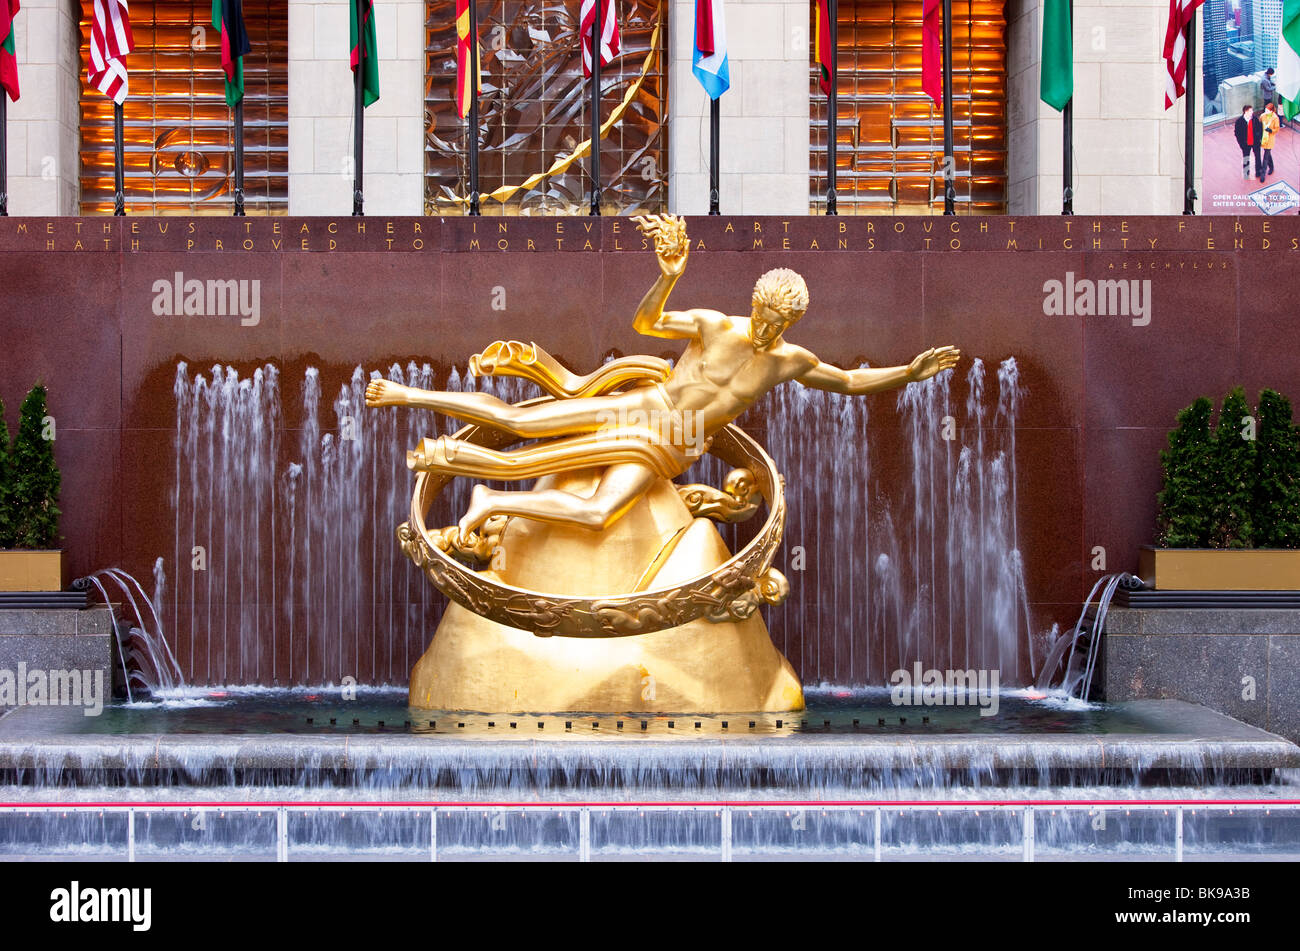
{"x": 730, "y": 592}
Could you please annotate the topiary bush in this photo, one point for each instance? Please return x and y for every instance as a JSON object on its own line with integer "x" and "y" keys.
{"x": 1277, "y": 463}
{"x": 1185, "y": 500}
{"x": 34, "y": 496}
{"x": 1232, "y": 470}
{"x": 6, "y": 485}
{"x": 1236, "y": 485}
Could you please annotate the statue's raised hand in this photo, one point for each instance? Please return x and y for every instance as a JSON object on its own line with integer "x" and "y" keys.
{"x": 935, "y": 360}
{"x": 672, "y": 246}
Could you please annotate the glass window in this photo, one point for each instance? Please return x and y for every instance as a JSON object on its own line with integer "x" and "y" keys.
{"x": 889, "y": 136}
{"x": 535, "y": 108}
{"x": 178, "y": 130}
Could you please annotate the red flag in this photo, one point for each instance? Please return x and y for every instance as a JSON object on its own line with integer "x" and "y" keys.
{"x": 110, "y": 41}
{"x": 467, "y": 50}
{"x": 704, "y": 27}
{"x": 609, "y": 38}
{"x": 825, "y": 55}
{"x": 8, "y": 57}
{"x": 932, "y": 49}
{"x": 1181, "y": 12}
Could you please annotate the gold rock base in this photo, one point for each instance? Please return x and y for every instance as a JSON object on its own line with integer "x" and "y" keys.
{"x": 701, "y": 667}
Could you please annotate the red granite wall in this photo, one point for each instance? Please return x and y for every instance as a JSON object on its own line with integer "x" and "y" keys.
{"x": 1099, "y": 395}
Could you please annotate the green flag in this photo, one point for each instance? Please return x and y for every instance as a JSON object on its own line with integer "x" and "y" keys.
{"x": 1057, "y": 70}
{"x": 228, "y": 18}
{"x": 1288, "y": 59}
{"x": 363, "y": 13}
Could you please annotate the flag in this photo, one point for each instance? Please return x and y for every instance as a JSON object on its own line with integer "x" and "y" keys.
{"x": 822, "y": 39}
{"x": 709, "y": 61}
{"x": 1181, "y": 13}
{"x": 1288, "y": 59}
{"x": 609, "y": 41}
{"x": 464, "y": 89}
{"x": 1056, "y": 76}
{"x": 110, "y": 41}
{"x": 8, "y": 54}
{"x": 932, "y": 49}
{"x": 228, "y": 18}
{"x": 364, "y": 11}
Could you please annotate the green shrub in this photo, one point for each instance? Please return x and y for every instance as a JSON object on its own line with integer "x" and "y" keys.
{"x": 1236, "y": 486}
{"x": 6, "y": 485}
{"x": 1277, "y": 487}
{"x": 1232, "y": 470}
{"x": 1185, "y": 501}
{"x": 35, "y": 478}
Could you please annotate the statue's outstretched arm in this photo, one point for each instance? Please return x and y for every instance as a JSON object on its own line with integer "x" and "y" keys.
{"x": 826, "y": 376}
{"x": 672, "y": 248}
{"x": 381, "y": 392}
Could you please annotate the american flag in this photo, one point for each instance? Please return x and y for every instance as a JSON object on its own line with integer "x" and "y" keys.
{"x": 609, "y": 42}
{"x": 110, "y": 41}
{"x": 1181, "y": 13}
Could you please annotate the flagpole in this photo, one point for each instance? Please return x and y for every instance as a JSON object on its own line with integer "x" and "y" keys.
{"x": 239, "y": 158}
{"x": 119, "y": 187}
{"x": 597, "y": 25}
{"x": 715, "y": 149}
{"x": 949, "y": 167}
{"x": 473, "y": 110}
{"x": 1067, "y": 159}
{"x": 4, "y": 154}
{"x": 359, "y": 118}
{"x": 832, "y": 106}
{"x": 1189, "y": 165}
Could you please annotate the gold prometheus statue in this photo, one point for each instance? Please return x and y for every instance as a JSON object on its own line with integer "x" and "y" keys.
{"x": 644, "y": 431}
{"x": 615, "y": 548}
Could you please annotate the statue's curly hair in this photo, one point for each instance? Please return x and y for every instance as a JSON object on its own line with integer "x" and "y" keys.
{"x": 784, "y": 291}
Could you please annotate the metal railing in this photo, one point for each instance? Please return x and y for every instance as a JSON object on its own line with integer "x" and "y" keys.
{"x": 1274, "y": 824}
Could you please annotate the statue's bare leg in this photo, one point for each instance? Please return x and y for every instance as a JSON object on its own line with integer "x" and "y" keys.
{"x": 619, "y": 488}
{"x": 558, "y": 418}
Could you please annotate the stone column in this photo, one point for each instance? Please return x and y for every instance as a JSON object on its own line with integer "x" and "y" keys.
{"x": 43, "y": 129}
{"x": 320, "y": 111}
{"x": 1128, "y": 150}
{"x": 765, "y": 124}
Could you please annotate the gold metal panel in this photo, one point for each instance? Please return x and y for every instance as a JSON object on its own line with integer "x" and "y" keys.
{"x": 31, "y": 570}
{"x": 1209, "y": 569}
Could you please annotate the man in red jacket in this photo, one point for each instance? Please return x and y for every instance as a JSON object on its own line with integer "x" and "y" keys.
{"x": 1250, "y": 133}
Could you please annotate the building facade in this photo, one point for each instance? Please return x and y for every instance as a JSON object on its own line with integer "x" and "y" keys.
{"x": 1128, "y": 150}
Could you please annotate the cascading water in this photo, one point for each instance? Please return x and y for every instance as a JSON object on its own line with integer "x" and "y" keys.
{"x": 146, "y": 658}
{"x": 343, "y": 602}
{"x": 1066, "y": 665}
{"x": 930, "y": 573}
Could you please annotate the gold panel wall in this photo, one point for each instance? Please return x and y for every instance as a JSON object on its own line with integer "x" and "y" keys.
{"x": 179, "y": 132}
{"x": 535, "y": 106}
{"x": 890, "y": 134}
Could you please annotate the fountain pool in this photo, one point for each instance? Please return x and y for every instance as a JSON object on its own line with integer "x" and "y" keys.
{"x": 264, "y": 774}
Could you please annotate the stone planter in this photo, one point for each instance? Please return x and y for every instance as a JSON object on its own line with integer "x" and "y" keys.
{"x": 31, "y": 570}
{"x": 1220, "y": 569}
